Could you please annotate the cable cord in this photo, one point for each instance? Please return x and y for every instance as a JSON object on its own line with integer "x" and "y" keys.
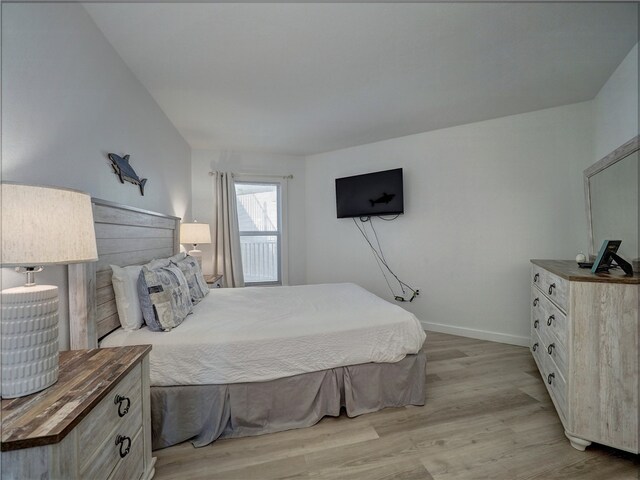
{"x": 380, "y": 259}
{"x": 375, "y": 256}
{"x": 400, "y": 282}
{"x": 388, "y": 219}
{"x": 379, "y": 247}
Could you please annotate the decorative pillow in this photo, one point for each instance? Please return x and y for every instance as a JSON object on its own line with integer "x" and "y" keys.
{"x": 125, "y": 280}
{"x": 164, "y": 297}
{"x": 198, "y": 287}
{"x": 177, "y": 257}
{"x": 158, "y": 263}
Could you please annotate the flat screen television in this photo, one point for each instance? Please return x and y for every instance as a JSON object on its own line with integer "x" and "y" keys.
{"x": 371, "y": 194}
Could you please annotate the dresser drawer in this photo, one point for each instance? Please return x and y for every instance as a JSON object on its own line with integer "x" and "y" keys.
{"x": 550, "y": 322}
{"x": 551, "y": 328}
{"x": 537, "y": 347}
{"x": 556, "y": 384}
{"x": 554, "y": 287}
{"x": 551, "y": 375}
{"x": 555, "y": 352}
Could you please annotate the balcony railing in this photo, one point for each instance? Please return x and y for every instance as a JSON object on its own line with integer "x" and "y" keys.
{"x": 259, "y": 258}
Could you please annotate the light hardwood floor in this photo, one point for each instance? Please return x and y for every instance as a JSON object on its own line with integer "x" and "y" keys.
{"x": 487, "y": 416}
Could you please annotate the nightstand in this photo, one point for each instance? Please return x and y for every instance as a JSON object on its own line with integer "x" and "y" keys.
{"x": 95, "y": 422}
{"x": 214, "y": 281}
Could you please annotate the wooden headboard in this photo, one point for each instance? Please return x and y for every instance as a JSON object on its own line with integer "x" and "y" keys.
{"x": 125, "y": 236}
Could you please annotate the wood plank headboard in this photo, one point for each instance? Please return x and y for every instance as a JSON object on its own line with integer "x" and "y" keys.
{"x": 125, "y": 236}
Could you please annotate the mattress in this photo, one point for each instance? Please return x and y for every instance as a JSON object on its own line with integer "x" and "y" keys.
{"x": 257, "y": 334}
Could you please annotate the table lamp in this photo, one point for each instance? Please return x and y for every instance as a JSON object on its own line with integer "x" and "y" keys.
{"x": 40, "y": 226}
{"x": 195, "y": 233}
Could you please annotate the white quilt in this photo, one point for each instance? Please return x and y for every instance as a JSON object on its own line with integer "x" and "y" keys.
{"x": 257, "y": 334}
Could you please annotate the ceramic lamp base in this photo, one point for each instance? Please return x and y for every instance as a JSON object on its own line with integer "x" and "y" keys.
{"x": 29, "y": 339}
{"x": 197, "y": 254}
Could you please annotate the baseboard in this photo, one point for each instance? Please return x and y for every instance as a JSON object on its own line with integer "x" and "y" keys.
{"x": 479, "y": 334}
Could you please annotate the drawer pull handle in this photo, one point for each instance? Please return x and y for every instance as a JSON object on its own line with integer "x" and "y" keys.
{"x": 550, "y": 348}
{"x": 535, "y": 324}
{"x": 535, "y": 346}
{"x": 120, "y": 401}
{"x": 550, "y": 378}
{"x": 121, "y": 440}
{"x": 536, "y": 302}
{"x": 536, "y": 277}
{"x": 550, "y": 319}
{"x": 551, "y": 287}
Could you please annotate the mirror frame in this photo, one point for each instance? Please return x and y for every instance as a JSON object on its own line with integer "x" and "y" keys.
{"x": 614, "y": 157}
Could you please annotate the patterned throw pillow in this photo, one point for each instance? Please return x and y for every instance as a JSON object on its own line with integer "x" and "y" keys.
{"x": 164, "y": 297}
{"x": 177, "y": 257}
{"x": 198, "y": 287}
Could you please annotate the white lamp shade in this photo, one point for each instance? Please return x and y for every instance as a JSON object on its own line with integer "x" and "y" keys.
{"x": 195, "y": 233}
{"x": 46, "y": 225}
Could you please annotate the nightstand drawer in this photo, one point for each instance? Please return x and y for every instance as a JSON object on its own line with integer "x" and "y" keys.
{"x": 131, "y": 466}
{"x": 108, "y": 414}
{"x": 115, "y": 444}
{"x": 118, "y": 414}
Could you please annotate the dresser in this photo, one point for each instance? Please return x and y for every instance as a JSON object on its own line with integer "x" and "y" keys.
{"x": 584, "y": 339}
{"x": 94, "y": 423}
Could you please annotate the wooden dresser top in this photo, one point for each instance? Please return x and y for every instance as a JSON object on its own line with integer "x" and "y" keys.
{"x": 570, "y": 270}
{"x": 85, "y": 378}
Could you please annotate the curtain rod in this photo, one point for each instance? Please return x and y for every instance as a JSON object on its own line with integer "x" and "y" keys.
{"x": 234, "y": 174}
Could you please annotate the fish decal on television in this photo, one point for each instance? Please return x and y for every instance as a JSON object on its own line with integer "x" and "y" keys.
{"x": 385, "y": 198}
{"x": 125, "y": 172}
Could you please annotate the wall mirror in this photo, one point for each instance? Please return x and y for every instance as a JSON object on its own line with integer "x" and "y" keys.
{"x": 611, "y": 191}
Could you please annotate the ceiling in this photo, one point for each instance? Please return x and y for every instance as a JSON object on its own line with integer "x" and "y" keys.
{"x": 308, "y": 78}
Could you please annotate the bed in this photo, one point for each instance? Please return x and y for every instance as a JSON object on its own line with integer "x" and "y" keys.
{"x": 254, "y": 360}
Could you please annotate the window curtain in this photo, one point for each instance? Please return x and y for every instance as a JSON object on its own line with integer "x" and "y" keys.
{"x": 227, "y": 258}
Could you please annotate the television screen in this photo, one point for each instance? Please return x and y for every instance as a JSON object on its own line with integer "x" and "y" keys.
{"x": 377, "y": 193}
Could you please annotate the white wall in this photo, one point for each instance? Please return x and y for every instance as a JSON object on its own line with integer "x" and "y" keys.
{"x": 68, "y": 100}
{"x": 616, "y": 108}
{"x": 204, "y": 161}
{"x": 480, "y": 201}
{"x": 616, "y": 122}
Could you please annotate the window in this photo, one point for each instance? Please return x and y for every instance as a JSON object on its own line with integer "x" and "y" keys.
{"x": 259, "y": 207}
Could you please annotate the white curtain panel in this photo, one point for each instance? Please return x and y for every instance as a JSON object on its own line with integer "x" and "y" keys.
{"x": 227, "y": 258}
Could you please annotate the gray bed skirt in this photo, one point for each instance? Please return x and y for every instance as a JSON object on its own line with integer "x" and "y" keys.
{"x": 204, "y": 413}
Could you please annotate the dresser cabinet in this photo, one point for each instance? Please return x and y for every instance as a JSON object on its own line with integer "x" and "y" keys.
{"x": 94, "y": 423}
{"x": 584, "y": 339}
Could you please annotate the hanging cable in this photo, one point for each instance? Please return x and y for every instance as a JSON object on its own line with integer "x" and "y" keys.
{"x": 375, "y": 256}
{"x": 381, "y": 260}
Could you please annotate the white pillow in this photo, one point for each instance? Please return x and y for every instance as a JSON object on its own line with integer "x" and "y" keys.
{"x": 125, "y": 281}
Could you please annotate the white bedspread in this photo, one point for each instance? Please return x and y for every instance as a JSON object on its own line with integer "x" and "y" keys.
{"x": 257, "y": 334}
